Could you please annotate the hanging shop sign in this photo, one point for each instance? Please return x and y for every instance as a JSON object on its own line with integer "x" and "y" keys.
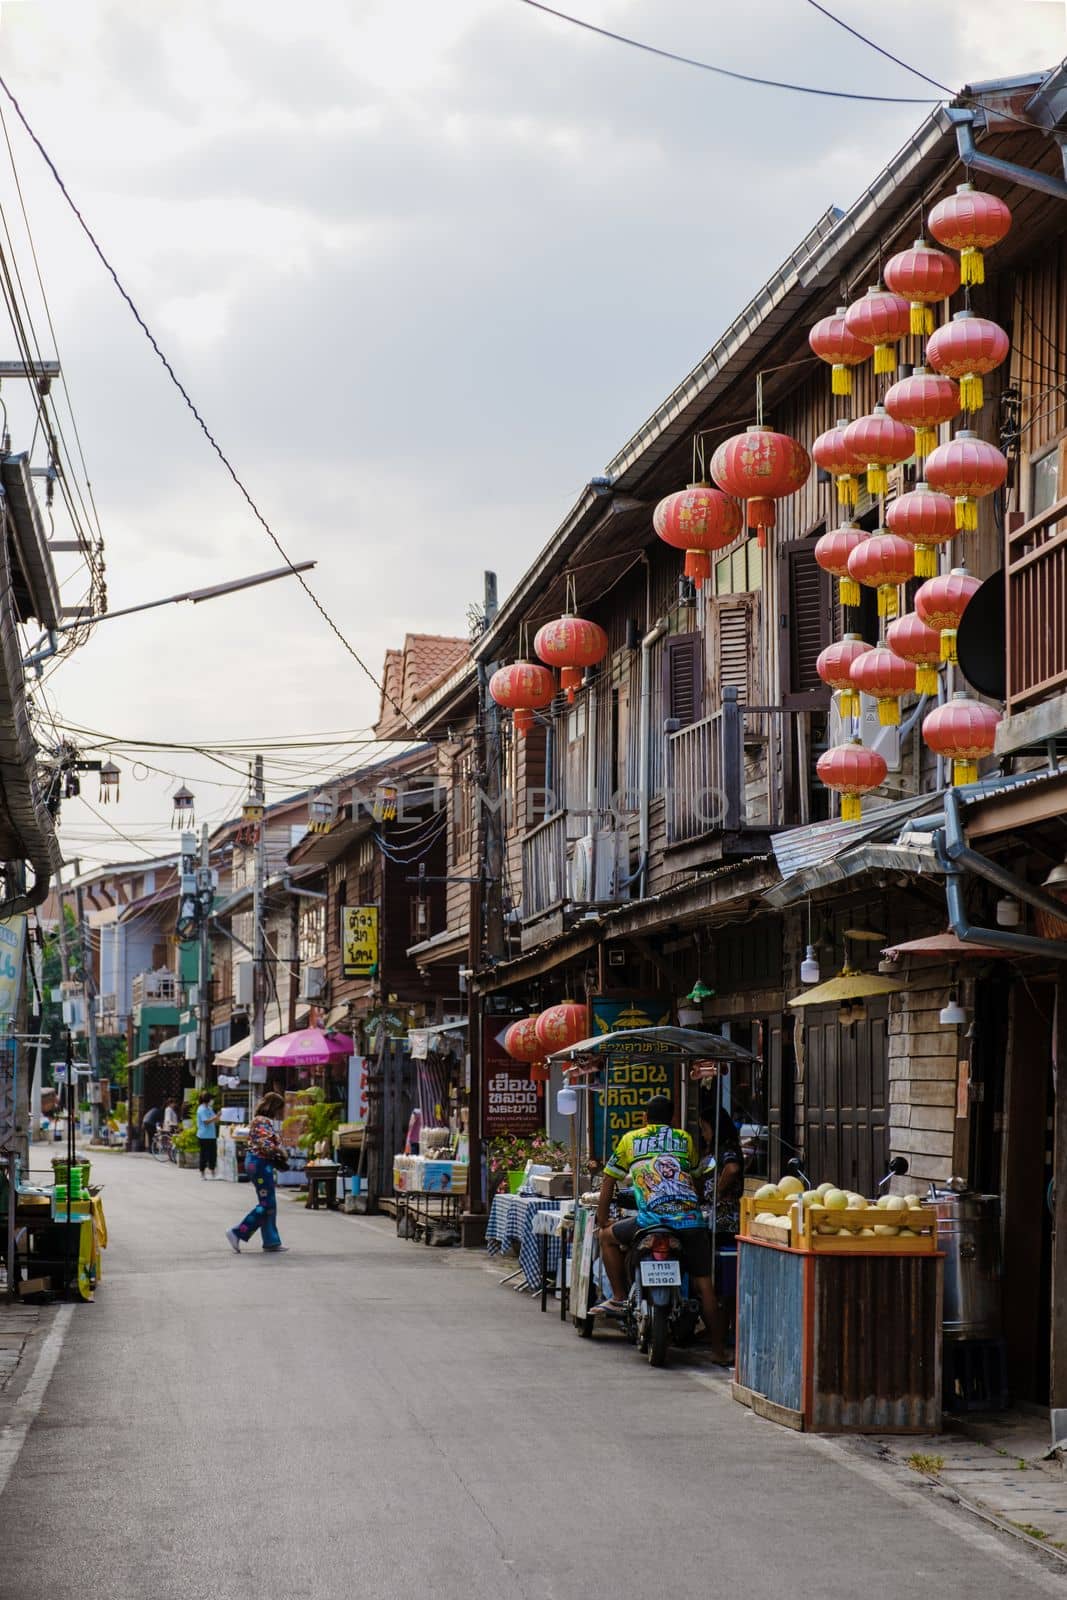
{"x": 630, "y": 1079}
{"x": 359, "y": 941}
{"x": 510, "y": 1102}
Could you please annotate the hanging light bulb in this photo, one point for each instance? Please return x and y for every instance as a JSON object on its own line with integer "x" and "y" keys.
{"x": 809, "y": 967}
{"x": 1009, "y": 912}
{"x": 567, "y": 1102}
{"x": 952, "y": 1015}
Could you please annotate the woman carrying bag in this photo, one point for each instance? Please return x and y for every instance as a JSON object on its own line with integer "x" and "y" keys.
{"x": 264, "y": 1153}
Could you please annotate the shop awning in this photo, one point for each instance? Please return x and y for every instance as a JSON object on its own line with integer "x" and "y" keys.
{"x": 422, "y": 1040}
{"x": 174, "y": 1046}
{"x": 234, "y": 1054}
{"x": 657, "y": 1044}
{"x": 943, "y": 945}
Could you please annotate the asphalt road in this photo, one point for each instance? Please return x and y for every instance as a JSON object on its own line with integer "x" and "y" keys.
{"x": 364, "y": 1415}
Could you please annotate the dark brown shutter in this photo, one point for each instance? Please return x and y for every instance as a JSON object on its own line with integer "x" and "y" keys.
{"x": 683, "y": 678}
{"x": 733, "y": 643}
{"x": 806, "y": 621}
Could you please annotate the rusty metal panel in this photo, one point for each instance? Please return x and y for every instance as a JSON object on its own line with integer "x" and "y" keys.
{"x": 877, "y": 1344}
{"x": 770, "y": 1295}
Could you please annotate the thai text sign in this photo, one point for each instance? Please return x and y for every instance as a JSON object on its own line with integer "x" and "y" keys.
{"x": 359, "y": 941}
{"x": 630, "y": 1080}
{"x": 510, "y": 1102}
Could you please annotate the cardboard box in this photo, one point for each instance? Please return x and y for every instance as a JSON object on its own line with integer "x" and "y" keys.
{"x": 30, "y": 1286}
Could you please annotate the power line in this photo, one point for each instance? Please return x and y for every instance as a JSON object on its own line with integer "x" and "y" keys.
{"x": 205, "y": 430}
{"x": 862, "y": 37}
{"x": 706, "y": 66}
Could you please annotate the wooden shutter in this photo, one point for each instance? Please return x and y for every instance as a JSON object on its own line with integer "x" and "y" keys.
{"x": 733, "y": 646}
{"x": 805, "y": 623}
{"x": 683, "y": 678}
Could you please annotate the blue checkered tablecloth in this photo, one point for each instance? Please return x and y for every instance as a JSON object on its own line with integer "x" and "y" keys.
{"x": 511, "y": 1221}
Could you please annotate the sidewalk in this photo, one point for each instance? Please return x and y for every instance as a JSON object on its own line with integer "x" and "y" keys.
{"x": 21, "y": 1330}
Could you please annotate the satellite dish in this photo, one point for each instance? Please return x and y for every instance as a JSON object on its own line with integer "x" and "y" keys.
{"x": 981, "y": 642}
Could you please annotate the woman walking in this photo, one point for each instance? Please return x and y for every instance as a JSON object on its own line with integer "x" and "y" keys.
{"x": 263, "y": 1154}
{"x": 207, "y": 1120}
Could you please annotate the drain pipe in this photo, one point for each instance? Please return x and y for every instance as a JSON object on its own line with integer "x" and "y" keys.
{"x": 993, "y": 166}
{"x": 654, "y": 634}
{"x": 956, "y": 855}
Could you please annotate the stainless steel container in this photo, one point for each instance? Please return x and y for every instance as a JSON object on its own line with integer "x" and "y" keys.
{"x": 968, "y": 1231}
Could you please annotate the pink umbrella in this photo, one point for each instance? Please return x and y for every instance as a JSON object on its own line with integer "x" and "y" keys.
{"x": 307, "y": 1047}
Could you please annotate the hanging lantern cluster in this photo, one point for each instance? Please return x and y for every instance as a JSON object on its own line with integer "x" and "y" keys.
{"x": 760, "y": 467}
{"x": 925, "y": 520}
{"x": 922, "y": 276}
{"x": 523, "y": 688}
{"x": 831, "y": 454}
{"x": 885, "y": 676}
{"x": 699, "y": 520}
{"x": 967, "y": 468}
{"x": 923, "y": 402}
{"x": 571, "y": 644}
{"x": 833, "y": 551}
{"x": 832, "y": 342}
{"x": 970, "y": 221}
{"x": 882, "y": 442}
{"x": 851, "y": 770}
{"x": 940, "y": 604}
{"x": 883, "y": 562}
{"x": 962, "y": 731}
{"x": 911, "y": 639}
{"x": 520, "y": 1040}
{"x": 966, "y": 349}
{"x": 880, "y": 319}
{"x": 562, "y": 1026}
{"x": 834, "y": 666}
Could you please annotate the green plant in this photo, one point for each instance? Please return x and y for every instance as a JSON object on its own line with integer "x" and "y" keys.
{"x": 322, "y": 1119}
{"x": 185, "y": 1139}
{"x": 510, "y": 1152}
{"x": 919, "y": 1462}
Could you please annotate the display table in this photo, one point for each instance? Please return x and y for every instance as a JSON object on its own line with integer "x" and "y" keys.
{"x": 840, "y": 1335}
{"x": 63, "y": 1253}
{"x": 420, "y": 1212}
{"x": 511, "y": 1221}
{"x": 322, "y": 1185}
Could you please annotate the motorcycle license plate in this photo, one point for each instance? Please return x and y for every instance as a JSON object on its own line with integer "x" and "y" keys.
{"x": 661, "y": 1274}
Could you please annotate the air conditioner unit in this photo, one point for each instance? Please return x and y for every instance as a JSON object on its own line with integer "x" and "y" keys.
{"x": 244, "y": 984}
{"x": 886, "y": 740}
{"x": 598, "y": 866}
{"x": 313, "y": 983}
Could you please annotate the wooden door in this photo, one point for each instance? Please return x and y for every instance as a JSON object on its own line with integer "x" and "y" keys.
{"x": 806, "y": 623}
{"x": 846, "y": 1139}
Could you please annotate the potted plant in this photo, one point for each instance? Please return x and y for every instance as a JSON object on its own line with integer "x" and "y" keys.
{"x": 187, "y": 1145}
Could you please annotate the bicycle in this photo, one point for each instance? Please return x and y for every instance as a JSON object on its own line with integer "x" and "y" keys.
{"x": 163, "y": 1146}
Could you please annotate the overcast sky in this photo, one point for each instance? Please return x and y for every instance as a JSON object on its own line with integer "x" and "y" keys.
{"x": 424, "y": 265}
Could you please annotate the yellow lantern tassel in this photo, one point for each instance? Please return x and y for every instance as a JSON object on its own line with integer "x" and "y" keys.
{"x": 964, "y": 772}
{"x": 925, "y": 561}
{"x": 877, "y": 479}
{"x": 840, "y": 379}
{"x": 885, "y": 359}
{"x": 848, "y": 591}
{"x": 851, "y": 810}
{"x": 922, "y": 318}
{"x": 925, "y": 680}
{"x": 966, "y": 513}
{"x": 972, "y": 394}
{"x": 848, "y": 703}
{"x": 848, "y": 490}
{"x": 887, "y": 600}
{"x": 925, "y": 441}
{"x": 697, "y": 566}
{"x": 948, "y": 646}
{"x": 889, "y": 713}
{"x": 972, "y": 265}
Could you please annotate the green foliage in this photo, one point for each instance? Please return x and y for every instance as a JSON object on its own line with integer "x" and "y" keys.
{"x": 322, "y": 1119}
{"x": 510, "y": 1153}
{"x": 186, "y": 1140}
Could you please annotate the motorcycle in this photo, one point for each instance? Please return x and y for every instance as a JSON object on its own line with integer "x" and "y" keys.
{"x": 659, "y": 1310}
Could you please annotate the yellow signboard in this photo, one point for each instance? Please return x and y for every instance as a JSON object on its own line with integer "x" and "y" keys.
{"x": 359, "y": 941}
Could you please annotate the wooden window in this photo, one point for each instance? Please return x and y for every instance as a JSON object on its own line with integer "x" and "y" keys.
{"x": 741, "y": 569}
{"x": 683, "y": 678}
{"x": 806, "y": 620}
{"x": 733, "y": 647}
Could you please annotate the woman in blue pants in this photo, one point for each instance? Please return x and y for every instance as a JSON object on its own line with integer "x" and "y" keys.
{"x": 264, "y": 1152}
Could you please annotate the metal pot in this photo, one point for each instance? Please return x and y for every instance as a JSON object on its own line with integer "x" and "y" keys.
{"x": 968, "y": 1231}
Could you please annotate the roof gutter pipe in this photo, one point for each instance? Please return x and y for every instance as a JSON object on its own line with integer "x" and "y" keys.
{"x": 972, "y": 158}
{"x": 957, "y": 856}
{"x": 654, "y": 634}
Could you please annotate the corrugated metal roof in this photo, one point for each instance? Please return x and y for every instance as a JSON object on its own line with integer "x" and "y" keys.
{"x": 797, "y": 849}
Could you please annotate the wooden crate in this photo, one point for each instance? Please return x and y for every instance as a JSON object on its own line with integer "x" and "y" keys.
{"x": 751, "y": 1208}
{"x": 922, "y": 1220}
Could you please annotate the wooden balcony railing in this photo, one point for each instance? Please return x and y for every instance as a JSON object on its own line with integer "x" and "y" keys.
{"x": 544, "y": 866}
{"x": 1036, "y": 574}
{"x": 728, "y": 772}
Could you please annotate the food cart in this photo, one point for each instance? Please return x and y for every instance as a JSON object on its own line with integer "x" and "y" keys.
{"x": 589, "y": 1070}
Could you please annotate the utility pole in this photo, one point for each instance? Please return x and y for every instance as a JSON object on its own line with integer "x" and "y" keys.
{"x": 486, "y": 907}
{"x": 205, "y": 900}
{"x": 259, "y": 966}
{"x": 89, "y": 998}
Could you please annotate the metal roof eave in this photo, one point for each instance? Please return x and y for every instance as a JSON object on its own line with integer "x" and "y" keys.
{"x": 35, "y": 558}
{"x": 913, "y": 860}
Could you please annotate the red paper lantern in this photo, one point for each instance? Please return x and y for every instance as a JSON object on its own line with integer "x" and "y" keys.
{"x": 521, "y": 1041}
{"x": 571, "y": 644}
{"x": 881, "y": 442}
{"x": 830, "y": 454}
{"x": 832, "y": 552}
{"x": 909, "y": 637}
{"x": 561, "y": 1026}
{"x": 523, "y": 688}
{"x": 833, "y": 343}
{"x": 966, "y": 468}
{"x": 965, "y": 348}
{"x": 852, "y": 771}
{"x": 886, "y": 676}
{"x": 760, "y": 466}
{"x": 941, "y": 602}
{"x": 923, "y": 276}
{"x": 970, "y": 221}
{"x": 698, "y": 520}
{"x": 883, "y": 562}
{"x": 963, "y": 731}
{"x": 923, "y": 402}
{"x": 880, "y": 318}
{"x": 834, "y": 666}
{"x": 925, "y": 519}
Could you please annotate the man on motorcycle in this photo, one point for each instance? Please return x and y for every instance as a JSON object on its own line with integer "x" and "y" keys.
{"x": 660, "y": 1161}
